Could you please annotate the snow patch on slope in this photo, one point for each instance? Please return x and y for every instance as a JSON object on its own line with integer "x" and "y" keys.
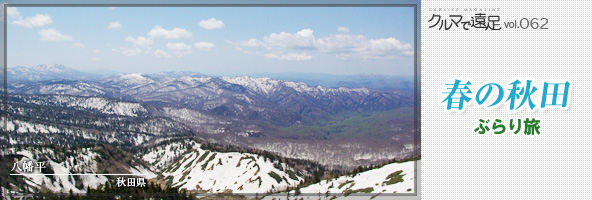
{"x": 372, "y": 181}
{"x": 203, "y": 170}
{"x": 27, "y": 127}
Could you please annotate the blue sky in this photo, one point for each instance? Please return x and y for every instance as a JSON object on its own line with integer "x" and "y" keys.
{"x": 214, "y": 41}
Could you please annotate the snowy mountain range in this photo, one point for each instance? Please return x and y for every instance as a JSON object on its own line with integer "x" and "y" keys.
{"x": 281, "y": 102}
{"x": 280, "y": 116}
{"x": 264, "y": 126}
{"x": 46, "y": 72}
{"x": 373, "y": 81}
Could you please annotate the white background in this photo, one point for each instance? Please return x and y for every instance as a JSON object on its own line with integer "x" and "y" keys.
{"x": 458, "y": 163}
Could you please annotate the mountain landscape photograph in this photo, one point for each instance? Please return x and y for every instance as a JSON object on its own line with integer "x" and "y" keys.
{"x": 244, "y": 102}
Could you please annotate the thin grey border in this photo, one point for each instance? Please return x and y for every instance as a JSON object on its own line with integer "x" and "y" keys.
{"x": 415, "y": 78}
{"x": 5, "y": 86}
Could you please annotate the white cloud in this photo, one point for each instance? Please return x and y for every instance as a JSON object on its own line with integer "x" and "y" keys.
{"x": 37, "y": 20}
{"x": 12, "y": 12}
{"x": 95, "y": 59}
{"x": 250, "y": 43}
{"x": 247, "y": 51}
{"x": 111, "y": 8}
{"x": 140, "y": 41}
{"x": 114, "y": 26}
{"x": 180, "y": 49}
{"x": 178, "y": 46}
{"x": 53, "y": 35}
{"x": 303, "y": 39}
{"x": 343, "y": 46}
{"x": 161, "y": 54}
{"x": 342, "y": 43}
{"x": 211, "y": 23}
{"x": 289, "y": 57}
{"x": 78, "y": 45}
{"x": 159, "y": 32}
{"x": 128, "y": 51}
{"x": 343, "y": 29}
{"x": 96, "y": 51}
{"x": 206, "y": 46}
{"x": 361, "y": 48}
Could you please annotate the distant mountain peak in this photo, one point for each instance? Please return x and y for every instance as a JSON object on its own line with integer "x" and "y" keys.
{"x": 45, "y": 72}
{"x": 50, "y": 67}
{"x": 133, "y": 75}
{"x": 176, "y": 74}
{"x": 131, "y": 79}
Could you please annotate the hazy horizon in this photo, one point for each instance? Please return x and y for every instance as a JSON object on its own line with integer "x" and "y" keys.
{"x": 111, "y": 72}
{"x": 215, "y": 41}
